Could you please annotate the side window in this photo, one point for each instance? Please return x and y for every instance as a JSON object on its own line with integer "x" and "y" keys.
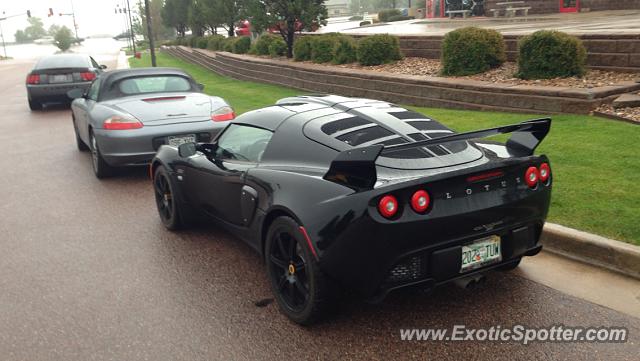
{"x": 93, "y": 90}
{"x": 243, "y": 143}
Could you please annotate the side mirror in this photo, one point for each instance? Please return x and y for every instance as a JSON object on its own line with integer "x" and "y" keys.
{"x": 103, "y": 67}
{"x": 186, "y": 150}
{"x": 75, "y": 93}
{"x": 201, "y": 86}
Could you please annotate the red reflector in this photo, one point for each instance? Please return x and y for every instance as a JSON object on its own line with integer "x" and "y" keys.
{"x": 531, "y": 176}
{"x": 388, "y": 206}
{"x": 163, "y": 98}
{"x": 223, "y": 117}
{"x": 420, "y": 201}
{"x": 544, "y": 172}
{"x": 33, "y": 79}
{"x": 88, "y": 76}
{"x": 485, "y": 176}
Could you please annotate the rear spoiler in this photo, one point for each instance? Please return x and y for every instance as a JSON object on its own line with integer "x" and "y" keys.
{"x": 357, "y": 167}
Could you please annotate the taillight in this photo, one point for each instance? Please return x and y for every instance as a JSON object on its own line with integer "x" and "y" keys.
{"x": 420, "y": 201}
{"x": 388, "y": 206}
{"x": 88, "y": 76}
{"x": 531, "y": 176}
{"x": 223, "y": 114}
{"x": 33, "y": 79}
{"x": 544, "y": 172}
{"x": 121, "y": 123}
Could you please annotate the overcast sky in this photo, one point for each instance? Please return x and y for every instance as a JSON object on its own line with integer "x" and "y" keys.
{"x": 92, "y": 16}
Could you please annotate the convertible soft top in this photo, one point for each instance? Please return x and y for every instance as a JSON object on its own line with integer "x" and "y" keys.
{"x": 112, "y": 77}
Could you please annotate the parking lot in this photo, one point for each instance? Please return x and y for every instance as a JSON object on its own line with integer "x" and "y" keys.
{"x": 89, "y": 273}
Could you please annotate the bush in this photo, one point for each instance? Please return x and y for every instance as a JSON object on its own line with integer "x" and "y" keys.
{"x": 302, "y": 48}
{"x": 384, "y": 15}
{"x": 264, "y": 41}
{"x": 277, "y": 48}
{"x": 344, "y": 50}
{"x": 63, "y": 38}
{"x": 241, "y": 45}
{"x": 322, "y": 48}
{"x": 215, "y": 42}
{"x": 363, "y": 23}
{"x": 399, "y": 18}
{"x": 356, "y": 17}
{"x": 549, "y": 54}
{"x": 201, "y": 43}
{"x": 378, "y": 49}
{"x": 227, "y": 44}
{"x": 472, "y": 50}
{"x": 193, "y": 41}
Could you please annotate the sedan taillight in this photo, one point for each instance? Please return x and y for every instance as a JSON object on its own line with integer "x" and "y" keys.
{"x": 223, "y": 114}
{"x": 88, "y": 76}
{"x": 121, "y": 123}
{"x": 33, "y": 79}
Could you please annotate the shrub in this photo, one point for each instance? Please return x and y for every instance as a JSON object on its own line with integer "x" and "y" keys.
{"x": 193, "y": 41}
{"x": 215, "y": 42}
{"x": 384, "y": 15}
{"x": 63, "y": 38}
{"x": 549, "y": 54}
{"x": 277, "y": 48}
{"x": 241, "y": 45}
{"x": 356, "y": 17}
{"x": 262, "y": 44}
{"x": 201, "y": 43}
{"x": 227, "y": 44}
{"x": 344, "y": 50}
{"x": 399, "y": 18}
{"x": 472, "y": 50}
{"x": 302, "y": 48}
{"x": 322, "y": 48}
{"x": 363, "y": 23}
{"x": 378, "y": 49}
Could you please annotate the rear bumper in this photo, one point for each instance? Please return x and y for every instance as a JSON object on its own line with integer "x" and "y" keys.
{"x": 138, "y": 146}
{"x": 54, "y": 92}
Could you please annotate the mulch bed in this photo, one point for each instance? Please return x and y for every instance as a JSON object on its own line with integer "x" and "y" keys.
{"x": 627, "y": 114}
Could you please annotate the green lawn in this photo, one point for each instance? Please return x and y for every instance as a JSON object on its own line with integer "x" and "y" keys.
{"x": 595, "y": 161}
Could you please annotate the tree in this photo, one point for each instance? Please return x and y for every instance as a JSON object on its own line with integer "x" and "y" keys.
{"x": 63, "y": 38}
{"x": 53, "y": 29}
{"x": 196, "y": 17}
{"x": 160, "y": 30}
{"x": 227, "y": 13}
{"x": 284, "y": 14}
{"x": 175, "y": 13}
{"x": 35, "y": 30}
{"x": 21, "y": 37}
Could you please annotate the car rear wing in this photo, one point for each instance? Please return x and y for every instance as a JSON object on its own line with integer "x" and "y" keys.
{"x": 357, "y": 167}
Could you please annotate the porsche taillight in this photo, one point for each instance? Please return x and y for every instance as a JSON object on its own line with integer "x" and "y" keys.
{"x": 531, "y": 177}
{"x": 544, "y": 171}
{"x": 33, "y": 79}
{"x": 121, "y": 123}
{"x": 388, "y": 206}
{"x": 223, "y": 114}
{"x": 420, "y": 201}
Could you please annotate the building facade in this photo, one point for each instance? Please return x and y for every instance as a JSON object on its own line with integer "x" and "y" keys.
{"x": 439, "y": 8}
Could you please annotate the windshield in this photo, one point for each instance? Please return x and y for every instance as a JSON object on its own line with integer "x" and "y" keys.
{"x": 154, "y": 84}
{"x": 63, "y": 61}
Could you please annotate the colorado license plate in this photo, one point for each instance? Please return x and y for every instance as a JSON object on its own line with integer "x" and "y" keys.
{"x": 480, "y": 253}
{"x": 176, "y": 140}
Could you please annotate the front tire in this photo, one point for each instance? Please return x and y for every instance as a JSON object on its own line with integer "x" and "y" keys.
{"x": 101, "y": 168}
{"x": 304, "y": 294}
{"x": 167, "y": 200}
{"x": 35, "y": 105}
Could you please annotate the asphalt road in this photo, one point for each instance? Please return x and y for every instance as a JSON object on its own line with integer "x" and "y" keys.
{"x": 87, "y": 272}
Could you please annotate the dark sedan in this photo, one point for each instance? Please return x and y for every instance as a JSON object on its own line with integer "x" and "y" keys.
{"x": 53, "y": 76}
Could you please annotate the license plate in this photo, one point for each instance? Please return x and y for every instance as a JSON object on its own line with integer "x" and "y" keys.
{"x": 176, "y": 140}
{"x": 480, "y": 253}
{"x": 60, "y": 78}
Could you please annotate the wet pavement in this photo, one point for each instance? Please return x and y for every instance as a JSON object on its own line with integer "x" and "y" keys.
{"x": 89, "y": 273}
{"x": 597, "y": 22}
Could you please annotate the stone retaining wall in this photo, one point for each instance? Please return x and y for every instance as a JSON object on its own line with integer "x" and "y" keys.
{"x": 404, "y": 89}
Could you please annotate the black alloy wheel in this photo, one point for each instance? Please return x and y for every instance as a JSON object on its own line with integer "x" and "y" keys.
{"x": 166, "y": 200}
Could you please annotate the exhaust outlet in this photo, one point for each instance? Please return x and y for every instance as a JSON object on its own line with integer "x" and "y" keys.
{"x": 470, "y": 282}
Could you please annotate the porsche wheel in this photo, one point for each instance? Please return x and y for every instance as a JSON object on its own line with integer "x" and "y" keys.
{"x": 166, "y": 200}
{"x": 101, "y": 168}
{"x": 303, "y": 292}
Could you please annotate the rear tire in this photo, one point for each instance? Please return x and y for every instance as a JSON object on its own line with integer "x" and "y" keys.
{"x": 304, "y": 294}
{"x": 101, "y": 168}
{"x": 35, "y": 105}
{"x": 167, "y": 200}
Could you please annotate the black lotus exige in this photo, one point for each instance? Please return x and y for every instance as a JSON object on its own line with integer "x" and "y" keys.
{"x": 362, "y": 194}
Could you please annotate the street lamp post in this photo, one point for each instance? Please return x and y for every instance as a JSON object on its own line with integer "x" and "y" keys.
{"x": 2, "y": 35}
{"x": 133, "y": 35}
{"x": 147, "y": 13}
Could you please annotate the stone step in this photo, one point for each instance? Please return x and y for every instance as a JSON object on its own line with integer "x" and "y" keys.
{"x": 628, "y": 100}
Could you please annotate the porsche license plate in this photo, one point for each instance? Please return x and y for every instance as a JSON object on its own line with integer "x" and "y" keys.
{"x": 176, "y": 140}
{"x": 480, "y": 253}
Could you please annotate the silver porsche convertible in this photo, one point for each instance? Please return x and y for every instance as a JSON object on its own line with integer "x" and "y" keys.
{"x": 126, "y": 115}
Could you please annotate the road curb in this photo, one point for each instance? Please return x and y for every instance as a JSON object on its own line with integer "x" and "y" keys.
{"x": 593, "y": 249}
